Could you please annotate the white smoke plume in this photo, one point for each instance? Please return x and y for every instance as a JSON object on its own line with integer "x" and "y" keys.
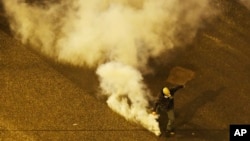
{"x": 115, "y": 36}
{"x": 127, "y": 93}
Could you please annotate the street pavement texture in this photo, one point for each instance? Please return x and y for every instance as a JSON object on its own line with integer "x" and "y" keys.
{"x": 43, "y": 100}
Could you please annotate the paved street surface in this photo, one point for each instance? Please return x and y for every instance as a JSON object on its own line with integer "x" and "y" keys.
{"x": 42, "y": 100}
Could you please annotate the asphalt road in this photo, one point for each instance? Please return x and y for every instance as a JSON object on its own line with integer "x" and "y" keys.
{"x": 44, "y": 100}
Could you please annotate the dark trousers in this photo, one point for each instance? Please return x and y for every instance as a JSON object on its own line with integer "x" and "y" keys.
{"x": 170, "y": 115}
{"x": 171, "y": 119}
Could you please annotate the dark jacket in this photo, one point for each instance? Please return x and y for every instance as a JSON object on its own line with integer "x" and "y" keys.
{"x": 166, "y": 103}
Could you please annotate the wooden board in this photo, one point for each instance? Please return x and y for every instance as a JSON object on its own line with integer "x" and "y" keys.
{"x": 180, "y": 76}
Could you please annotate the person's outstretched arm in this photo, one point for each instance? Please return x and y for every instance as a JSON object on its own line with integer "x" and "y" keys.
{"x": 173, "y": 90}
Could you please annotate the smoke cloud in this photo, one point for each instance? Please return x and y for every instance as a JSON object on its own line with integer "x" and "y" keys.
{"x": 115, "y": 36}
{"x": 127, "y": 95}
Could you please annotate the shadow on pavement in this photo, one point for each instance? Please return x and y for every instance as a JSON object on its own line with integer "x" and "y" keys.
{"x": 4, "y": 24}
{"x": 187, "y": 112}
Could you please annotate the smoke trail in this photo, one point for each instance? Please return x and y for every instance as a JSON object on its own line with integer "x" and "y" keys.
{"x": 127, "y": 95}
{"x": 116, "y": 36}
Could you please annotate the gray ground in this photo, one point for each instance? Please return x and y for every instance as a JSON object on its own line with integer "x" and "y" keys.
{"x": 43, "y": 100}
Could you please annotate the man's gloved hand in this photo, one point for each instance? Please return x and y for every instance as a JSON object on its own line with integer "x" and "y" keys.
{"x": 154, "y": 113}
